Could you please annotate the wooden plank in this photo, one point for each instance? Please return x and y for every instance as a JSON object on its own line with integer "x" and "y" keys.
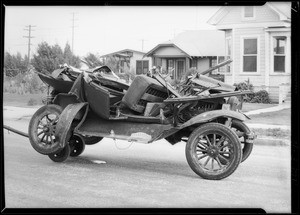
{"x": 202, "y": 97}
{"x": 166, "y": 84}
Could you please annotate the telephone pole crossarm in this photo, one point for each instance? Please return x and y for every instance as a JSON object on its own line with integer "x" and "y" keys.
{"x": 29, "y": 29}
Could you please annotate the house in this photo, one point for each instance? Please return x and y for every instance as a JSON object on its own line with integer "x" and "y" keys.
{"x": 258, "y": 39}
{"x": 130, "y": 60}
{"x": 199, "y": 49}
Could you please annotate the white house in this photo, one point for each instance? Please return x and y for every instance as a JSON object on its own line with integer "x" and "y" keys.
{"x": 258, "y": 39}
{"x": 132, "y": 60}
{"x": 200, "y": 49}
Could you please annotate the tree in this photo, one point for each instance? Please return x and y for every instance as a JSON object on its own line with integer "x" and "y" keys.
{"x": 92, "y": 60}
{"x": 48, "y": 58}
{"x": 14, "y": 64}
{"x": 70, "y": 58}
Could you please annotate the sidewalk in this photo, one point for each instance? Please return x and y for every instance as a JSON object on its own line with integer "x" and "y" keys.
{"x": 270, "y": 109}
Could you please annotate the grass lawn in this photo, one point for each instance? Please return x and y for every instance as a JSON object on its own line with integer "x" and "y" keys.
{"x": 282, "y": 117}
{"x": 255, "y": 106}
{"x": 17, "y": 100}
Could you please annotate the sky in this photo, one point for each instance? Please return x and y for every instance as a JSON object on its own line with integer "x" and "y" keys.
{"x": 101, "y": 29}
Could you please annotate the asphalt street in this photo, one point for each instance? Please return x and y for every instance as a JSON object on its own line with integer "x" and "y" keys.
{"x": 130, "y": 175}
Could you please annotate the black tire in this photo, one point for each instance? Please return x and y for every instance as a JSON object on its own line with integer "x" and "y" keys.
{"x": 240, "y": 127}
{"x": 41, "y": 126}
{"x": 62, "y": 155}
{"x": 92, "y": 140}
{"x": 218, "y": 146}
{"x": 77, "y": 145}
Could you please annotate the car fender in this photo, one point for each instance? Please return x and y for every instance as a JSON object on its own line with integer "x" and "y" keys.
{"x": 211, "y": 115}
{"x": 63, "y": 127}
{"x": 200, "y": 119}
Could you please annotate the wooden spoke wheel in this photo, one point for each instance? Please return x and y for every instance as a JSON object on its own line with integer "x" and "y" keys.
{"x": 41, "y": 129}
{"x": 213, "y": 151}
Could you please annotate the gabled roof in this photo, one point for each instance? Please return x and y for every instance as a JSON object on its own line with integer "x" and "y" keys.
{"x": 120, "y": 53}
{"x": 283, "y": 9}
{"x": 197, "y": 43}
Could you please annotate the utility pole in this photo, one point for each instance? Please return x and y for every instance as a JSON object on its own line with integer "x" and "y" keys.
{"x": 29, "y": 29}
{"x": 73, "y": 26}
{"x": 143, "y": 44}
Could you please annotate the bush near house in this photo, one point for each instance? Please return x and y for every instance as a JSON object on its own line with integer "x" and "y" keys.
{"x": 261, "y": 96}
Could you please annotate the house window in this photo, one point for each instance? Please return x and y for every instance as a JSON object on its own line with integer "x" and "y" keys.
{"x": 249, "y": 12}
{"x": 250, "y": 55}
{"x": 157, "y": 62}
{"x": 279, "y": 45}
{"x": 193, "y": 63}
{"x": 122, "y": 62}
{"x": 171, "y": 67}
{"x": 215, "y": 61}
{"x": 142, "y": 67}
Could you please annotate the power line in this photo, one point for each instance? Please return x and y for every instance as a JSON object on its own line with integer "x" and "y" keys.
{"x": 29, "y": 29}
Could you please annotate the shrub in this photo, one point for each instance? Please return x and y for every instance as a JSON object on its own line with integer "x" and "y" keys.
{"x": 261, "y": 96}
{"x": 246, "y": 85}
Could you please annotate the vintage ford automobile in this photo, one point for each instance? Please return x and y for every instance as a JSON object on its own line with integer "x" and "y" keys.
{"x": 88, "y": 106}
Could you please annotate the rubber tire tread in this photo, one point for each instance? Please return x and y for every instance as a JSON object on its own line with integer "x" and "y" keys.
{"x": 247, "y": 149}
{"x": 66, "y": 152}
{"x": 194, "y": 165}
{"x": 92, "y": 140}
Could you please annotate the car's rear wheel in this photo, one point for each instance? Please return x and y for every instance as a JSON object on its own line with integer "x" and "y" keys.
{"x": 213, "y": 151}
{"x": 92, "y": 140}
{"x": 61, "y": 155}
{"x": 77, "y": 145}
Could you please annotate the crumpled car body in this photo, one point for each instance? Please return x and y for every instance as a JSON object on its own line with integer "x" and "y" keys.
{"x": 91, "y": 105}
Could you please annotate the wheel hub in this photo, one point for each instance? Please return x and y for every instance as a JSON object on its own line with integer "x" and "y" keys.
{"x": 46, "y": 129}
{"x": 213, "y": 151}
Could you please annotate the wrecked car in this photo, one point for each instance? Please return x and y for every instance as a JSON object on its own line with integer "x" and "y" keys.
{"x": 205, "y": 113}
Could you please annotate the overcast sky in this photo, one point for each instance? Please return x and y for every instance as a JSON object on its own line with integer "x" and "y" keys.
{"x": 101, "y": 29}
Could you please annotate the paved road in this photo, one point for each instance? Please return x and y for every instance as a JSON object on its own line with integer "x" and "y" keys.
{"x": 154, "y": 175}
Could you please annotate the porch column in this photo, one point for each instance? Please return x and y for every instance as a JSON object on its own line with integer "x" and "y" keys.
{"x": 187, "y": 63}
{"x": 268, "y": 54}
{"x": 152, "y": 58}
{"x": 288, "y": 54}
{"x": 233, "y": 46}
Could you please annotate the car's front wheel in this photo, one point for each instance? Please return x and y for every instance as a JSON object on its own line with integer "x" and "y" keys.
{"x": 213, "y": 151}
